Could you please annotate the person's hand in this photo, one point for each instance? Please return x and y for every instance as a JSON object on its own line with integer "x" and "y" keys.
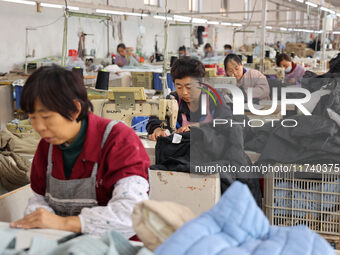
{"x": 158, "y": 132}
{"x": 183, "y": 129}
{"x": 292, "y": 81}
{"x": 42, "y": 218}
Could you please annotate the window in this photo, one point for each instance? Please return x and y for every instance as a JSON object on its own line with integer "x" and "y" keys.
{"x": 194, "y": 5}
{"x": 224, "y": 6}
{"x": 151, "y": 2}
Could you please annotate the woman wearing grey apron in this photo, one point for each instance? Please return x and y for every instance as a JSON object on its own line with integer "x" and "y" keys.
{"x": 88, "y": 172}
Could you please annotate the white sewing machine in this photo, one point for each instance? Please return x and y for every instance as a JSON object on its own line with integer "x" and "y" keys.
{"x": 126, "y": 103}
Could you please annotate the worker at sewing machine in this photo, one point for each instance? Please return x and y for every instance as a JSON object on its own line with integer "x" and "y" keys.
{"x": 125, "y": 56}
{"x": 182, "y": 52}
{"x": 88, "y": 172}
{"x": 208, "y": 51}
{"x": 247, "y": 78}
{"x": 187, "y": 74}
{"x": 293, "y": 72}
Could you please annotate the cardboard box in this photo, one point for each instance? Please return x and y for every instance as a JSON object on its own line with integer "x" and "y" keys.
{"x": 142, "y": 79}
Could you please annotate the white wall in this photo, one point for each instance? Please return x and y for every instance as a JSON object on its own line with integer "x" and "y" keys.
{"x": 47, "y": 41}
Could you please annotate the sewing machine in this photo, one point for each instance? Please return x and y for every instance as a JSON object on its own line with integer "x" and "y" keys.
{"x": 278, "y": 72}
{"x": 126, "y": 103}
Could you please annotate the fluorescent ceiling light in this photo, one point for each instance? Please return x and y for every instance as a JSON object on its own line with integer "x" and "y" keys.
{"x": 199, "y": 21}
{"x": 20, "y": 2}
{"x": 269, "y": 27}
{"x": 162, "y": 17}
{"x": 213, "y": 22}
{"x": 327, "y": 10}
{"x": 336, "y": 32}
{"x": 311, "y": 4}
{"x": 109, "y": 12}
{"x": 182, "y": 18}
{"x": 290, "y": 29}
{"x": 51, "y": 5}
{"x": 236, "y": 25}
{"x": 300, "y": 1}
{"x": 59, "y": 6}
{"x": 283, "y": 29}
{"x": 136, "y": 14}
{"x": 226, "y": 24}
{"x": 338, "y": 14}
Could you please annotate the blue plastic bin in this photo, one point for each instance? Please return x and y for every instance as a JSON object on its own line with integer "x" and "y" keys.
{"x": 157, "y": 82}
{"x": 18, "y": 90}
{"x": 142, "y": 126}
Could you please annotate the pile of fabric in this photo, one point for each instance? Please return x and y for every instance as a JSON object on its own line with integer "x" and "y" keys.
{"x": 14, "y": 169}
{"x": 236, "y": 225}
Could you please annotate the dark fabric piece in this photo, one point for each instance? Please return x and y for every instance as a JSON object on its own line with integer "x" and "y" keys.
{"x": 314, "y": 140}
{"x": 208, "y": 146}
{"x": 223, "y": 111}
{"x": 334, "y": 64}
{"x": 72, "y": 152}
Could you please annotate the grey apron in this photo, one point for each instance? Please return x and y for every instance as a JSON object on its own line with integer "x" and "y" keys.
{"x": 69, "y": 197}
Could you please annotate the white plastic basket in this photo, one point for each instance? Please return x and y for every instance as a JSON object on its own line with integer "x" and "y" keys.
{"x": 304, "y": 197}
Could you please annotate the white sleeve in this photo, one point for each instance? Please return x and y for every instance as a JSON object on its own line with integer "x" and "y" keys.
{"x": 36, "y": 202}
{"x": 116, "y": 215}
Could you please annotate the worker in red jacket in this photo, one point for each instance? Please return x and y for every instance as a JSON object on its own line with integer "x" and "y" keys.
{"x": 88, "y": 172}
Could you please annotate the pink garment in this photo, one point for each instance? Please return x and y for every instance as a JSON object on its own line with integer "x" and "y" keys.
{"x": 296, "y": 74}
{"x": 207, "y": 119}
{"x": 256, "y": 80}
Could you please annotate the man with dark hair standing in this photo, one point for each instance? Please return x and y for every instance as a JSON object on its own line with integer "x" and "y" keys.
{"x": 187, "y": 74}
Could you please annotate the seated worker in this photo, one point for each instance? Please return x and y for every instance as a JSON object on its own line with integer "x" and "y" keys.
{"x": 208, "y": 51}
{"x": 182, "y": 52}
{"x": 293, "y": 71}
{"x": 227, "y": 49}
{"x": 187, "y": 74}
{"x": 125, "y": 57}
{"x": 247, "y": 78}
{"x": 88, "y": 172}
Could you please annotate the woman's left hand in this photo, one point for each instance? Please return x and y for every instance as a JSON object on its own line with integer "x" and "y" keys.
{"x": 42, "y": 218}
{"x": 183, "y": 129}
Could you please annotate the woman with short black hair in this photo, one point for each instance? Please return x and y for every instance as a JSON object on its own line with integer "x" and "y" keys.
{"x": 187, "y": 74}
{"x": 247, "y": 78}
{"x": 88, "y": 172}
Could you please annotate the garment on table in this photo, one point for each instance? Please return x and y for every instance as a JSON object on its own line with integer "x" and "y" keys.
{"x": 296, "y": 73}
{"x": 236, "y": 225}
{"x": 72, "y": 151}
{"x": 257, "y": 81}
{"x": 122, "y": 143}
{"x": 14, "y": 170}
{"x": 208, "y": 146}
{"x": 155, "y": 221}
{"x": 314, "y": 139}
{"x": 221, "y": 111}
{"x": 110, "y": 244}
{"x": 25, "y": 143}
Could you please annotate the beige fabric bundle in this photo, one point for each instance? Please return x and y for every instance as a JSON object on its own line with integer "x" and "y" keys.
{"x": 155, "y": 221}
{"x": 14, "y": 170}
{"x": 25, "y": 143}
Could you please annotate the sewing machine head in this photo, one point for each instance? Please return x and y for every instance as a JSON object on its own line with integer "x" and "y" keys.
{"x": 126, "y": 103}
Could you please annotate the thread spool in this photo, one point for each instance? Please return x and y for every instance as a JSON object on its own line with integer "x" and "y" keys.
{"x": 240, "y": 56}
{"x": 249, "y": 59}
{"x": 78, "y": 71}
{"x": 292, "y": 55}
{"x": 267, "y": 53}
{"x": 103, "y": 80}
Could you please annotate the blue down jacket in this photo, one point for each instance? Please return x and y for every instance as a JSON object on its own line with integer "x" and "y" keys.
{"x": 237, "y": 226}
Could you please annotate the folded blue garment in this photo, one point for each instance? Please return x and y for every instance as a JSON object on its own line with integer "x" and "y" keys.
{"x": 235, "y": 225}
